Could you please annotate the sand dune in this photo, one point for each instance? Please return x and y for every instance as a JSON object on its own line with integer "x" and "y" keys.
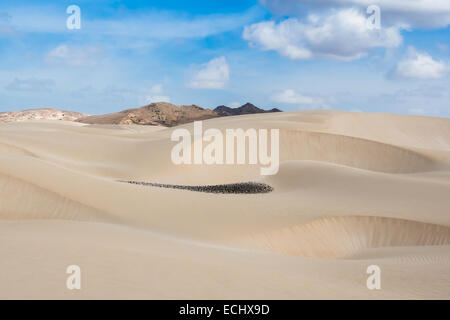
{"x": 353, "y": 190}
{"x": 318, "y": 238}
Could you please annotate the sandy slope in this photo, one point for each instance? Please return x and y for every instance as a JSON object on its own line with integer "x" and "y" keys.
{"x": 353, "y": 190}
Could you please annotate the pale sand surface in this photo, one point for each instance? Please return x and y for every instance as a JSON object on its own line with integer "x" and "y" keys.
{"x": 353, "y": 190}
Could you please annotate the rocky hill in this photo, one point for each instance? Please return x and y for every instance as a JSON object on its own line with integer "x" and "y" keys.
{"x": 39, "y": 114}
{"x": 158, "y": 114}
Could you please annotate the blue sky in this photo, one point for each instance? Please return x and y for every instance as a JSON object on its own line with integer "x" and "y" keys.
{"x": 291, "y": 54}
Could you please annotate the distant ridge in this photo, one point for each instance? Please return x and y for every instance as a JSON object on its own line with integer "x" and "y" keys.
{"x": 247, "y": 108}
{"x": 155, "y": 114}
{"x": 170, "y": 115}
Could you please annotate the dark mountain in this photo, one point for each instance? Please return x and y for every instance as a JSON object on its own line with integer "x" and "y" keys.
{"x": 224, "y": 111}
{"x": 247, "y": 108}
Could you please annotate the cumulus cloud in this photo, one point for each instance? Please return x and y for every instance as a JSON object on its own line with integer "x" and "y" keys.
{"x": 214, "y": 74}
{"x": 290, "y": 96}
{"x": 31, "y": 85}
{"x": 417, "y": 111}
{"x": 86, "y": 56}
{"x": 415, "y": 13}
{"x": 420, "y": 65}
{"x": 157, "y": 95}
{"x": 234, "y": 104}
{"x": 342, "y": 35}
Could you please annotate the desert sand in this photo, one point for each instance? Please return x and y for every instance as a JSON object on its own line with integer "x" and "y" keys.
{"x": 353, "y": 190}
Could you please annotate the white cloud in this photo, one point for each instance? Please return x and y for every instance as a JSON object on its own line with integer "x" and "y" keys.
{"x": 214, "y": 74}
{"x": 290, "y": 96}
{"x": 342, "y": 35}
{"x": 152, "y": 99}
{"x": 157, "y": 89}
{"x": 417, "y": 111}
{"x": 420, "y": 65}
{"x": 31, "y": 84}
{"x": 86, "y": 56}
{"x": 415, "y": 13}
{"x": 234, "y": 104}
{"x": 156, "y": 95}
